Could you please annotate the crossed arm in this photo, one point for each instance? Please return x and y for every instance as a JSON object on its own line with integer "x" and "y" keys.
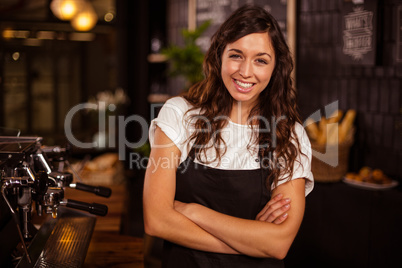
{"x": 198, "y": 227}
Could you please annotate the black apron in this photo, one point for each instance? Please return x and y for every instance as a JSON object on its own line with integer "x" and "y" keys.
{"x": 239, "y": 193}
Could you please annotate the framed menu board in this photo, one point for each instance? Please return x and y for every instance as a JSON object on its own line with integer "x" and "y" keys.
{"x": 219, "y": 10}
{"x": 359, "y": 26}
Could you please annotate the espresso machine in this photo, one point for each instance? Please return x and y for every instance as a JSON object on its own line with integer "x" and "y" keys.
{"x": 33, "y": 178}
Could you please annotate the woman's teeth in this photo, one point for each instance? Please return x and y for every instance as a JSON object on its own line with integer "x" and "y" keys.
{"x": 244, "y": 85}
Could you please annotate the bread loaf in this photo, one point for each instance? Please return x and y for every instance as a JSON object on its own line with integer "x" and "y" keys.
{"x": 347, "y": 125}
{"x": 333, "y": 130}
{"x": 335, "y": 117}
{"x": 322, "y": 137}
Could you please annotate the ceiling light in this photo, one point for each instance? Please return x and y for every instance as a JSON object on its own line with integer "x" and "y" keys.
{"x": 86, "y": 19}
{"x": 65, "y": 9}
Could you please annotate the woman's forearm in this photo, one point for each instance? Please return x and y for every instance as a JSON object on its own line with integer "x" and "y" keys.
{"x": 176, "y": 228}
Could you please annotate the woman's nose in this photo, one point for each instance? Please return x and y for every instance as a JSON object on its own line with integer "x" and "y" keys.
{"x": 246, "y": 69}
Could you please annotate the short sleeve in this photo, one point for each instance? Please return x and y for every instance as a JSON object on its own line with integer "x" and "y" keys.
{"x": 302, "y": 165}
{"x": 171, "y": 121}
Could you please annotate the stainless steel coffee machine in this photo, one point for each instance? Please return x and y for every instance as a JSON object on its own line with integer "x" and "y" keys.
{"x": 33, "y": 178}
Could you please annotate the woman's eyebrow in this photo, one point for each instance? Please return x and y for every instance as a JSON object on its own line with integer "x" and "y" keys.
{"x": 258, "y": 55}
{"x": 264, "y": 53}
{"x": 236, "y": 50}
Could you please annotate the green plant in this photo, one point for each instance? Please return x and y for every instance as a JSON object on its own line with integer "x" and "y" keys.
{"x": 187, "y": 61}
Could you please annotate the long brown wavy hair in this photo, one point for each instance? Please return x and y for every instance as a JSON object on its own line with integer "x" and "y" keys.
{"x": 276, "y": 103}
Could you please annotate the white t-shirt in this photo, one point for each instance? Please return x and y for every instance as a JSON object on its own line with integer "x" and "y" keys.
{"x": 175, "y": 123}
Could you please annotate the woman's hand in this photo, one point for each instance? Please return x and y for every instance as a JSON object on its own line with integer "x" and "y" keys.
{"x": 275, "y": 211}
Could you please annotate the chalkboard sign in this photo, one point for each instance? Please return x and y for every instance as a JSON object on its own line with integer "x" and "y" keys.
{"x": 359, "y": 26}
{"x": 219, "y": 10}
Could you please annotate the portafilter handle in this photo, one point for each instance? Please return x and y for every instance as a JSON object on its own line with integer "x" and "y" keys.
{"x": 93, "y": 208}
{"x": 98, "y": 190}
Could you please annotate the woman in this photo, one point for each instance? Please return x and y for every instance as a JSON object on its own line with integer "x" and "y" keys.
{"x": 220, "y": 153}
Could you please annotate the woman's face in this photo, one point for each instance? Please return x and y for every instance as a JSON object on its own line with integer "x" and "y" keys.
{"x": 247, "y": 66}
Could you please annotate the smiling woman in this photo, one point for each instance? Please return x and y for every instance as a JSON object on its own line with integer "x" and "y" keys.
{"x": 236, "y": 155}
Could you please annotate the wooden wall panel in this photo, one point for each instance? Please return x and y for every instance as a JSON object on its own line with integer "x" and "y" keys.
{"x": 373, "y": 90}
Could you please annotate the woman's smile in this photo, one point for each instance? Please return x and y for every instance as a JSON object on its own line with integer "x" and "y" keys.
{"x": 243, "y": 86}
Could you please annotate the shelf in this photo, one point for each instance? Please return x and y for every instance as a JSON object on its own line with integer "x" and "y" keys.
{"x": 156, "y": 58}
{"x": 158, "y": 98}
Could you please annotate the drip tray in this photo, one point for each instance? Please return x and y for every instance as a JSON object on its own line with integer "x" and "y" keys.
{"x": 61, "y": 242}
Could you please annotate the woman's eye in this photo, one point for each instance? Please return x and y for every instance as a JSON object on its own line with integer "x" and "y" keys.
{"x": 235, "y": 56}
{"x": 262, "y": 61}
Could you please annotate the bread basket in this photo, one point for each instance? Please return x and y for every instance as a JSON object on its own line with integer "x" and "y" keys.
{"x": 330, "y": 162}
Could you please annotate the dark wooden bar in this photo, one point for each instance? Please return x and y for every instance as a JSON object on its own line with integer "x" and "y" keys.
{"x": 345, "y": 226}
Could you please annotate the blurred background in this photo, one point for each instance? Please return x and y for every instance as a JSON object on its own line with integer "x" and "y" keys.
{"x": 119, "y": 55}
